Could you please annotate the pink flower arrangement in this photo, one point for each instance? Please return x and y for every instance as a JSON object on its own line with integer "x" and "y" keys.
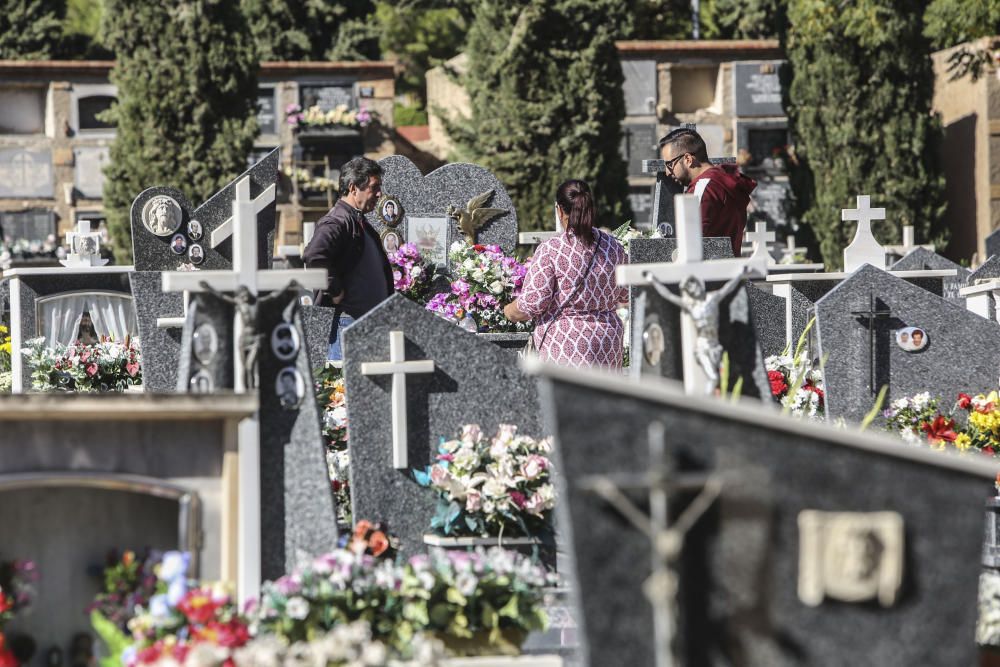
{"x": 491, "y": 486}
{"x": 107, "y": 366}
{"x": 486, "y": 279}
{"x": 412, "y": 275}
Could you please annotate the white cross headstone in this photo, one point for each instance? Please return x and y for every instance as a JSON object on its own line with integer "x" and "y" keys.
{"x": 760, "y": 237}
{"x": 790, "y": 251}
{"x": 687, "y": 212}
{"x": 243, "y": 228}
{"x": 864, "y": 249}
{"x": 534, "y": 238}
{"x": 398, "y": 367}
{"x": 909, "y": 243}
{"x": 84, "y": 247}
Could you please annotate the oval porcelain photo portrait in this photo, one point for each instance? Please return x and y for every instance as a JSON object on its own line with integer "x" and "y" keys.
{"x": 912, "y": 339}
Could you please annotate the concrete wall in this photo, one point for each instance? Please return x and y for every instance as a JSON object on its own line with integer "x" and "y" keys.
{"x": 970, "y": 155}
{"x": 447, "y": 98}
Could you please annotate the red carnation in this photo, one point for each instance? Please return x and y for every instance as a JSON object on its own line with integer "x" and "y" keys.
{"x": 778, "y": 384}
{"x": 91, "y": 370}
{"x": 964, "y": 401}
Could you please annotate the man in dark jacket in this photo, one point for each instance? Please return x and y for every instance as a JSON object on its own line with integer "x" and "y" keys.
{"x": 349, "y": 249}
{"x": 724, "y": 192}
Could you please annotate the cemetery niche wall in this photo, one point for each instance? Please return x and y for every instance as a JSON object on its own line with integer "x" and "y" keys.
{"x": 779, "y": 556}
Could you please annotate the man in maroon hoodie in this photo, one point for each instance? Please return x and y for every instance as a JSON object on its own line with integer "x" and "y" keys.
{"x": 723, "y": 191}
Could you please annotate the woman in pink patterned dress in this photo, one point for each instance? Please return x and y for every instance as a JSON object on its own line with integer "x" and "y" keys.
{"x": 570, "y": 290}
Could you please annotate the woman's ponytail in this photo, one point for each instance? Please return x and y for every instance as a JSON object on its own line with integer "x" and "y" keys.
{"x": 574, "y": 197}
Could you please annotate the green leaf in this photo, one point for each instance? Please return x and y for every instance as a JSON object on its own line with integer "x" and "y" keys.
{"x": 114, "y": 639}
{"x": 510, "y": 610}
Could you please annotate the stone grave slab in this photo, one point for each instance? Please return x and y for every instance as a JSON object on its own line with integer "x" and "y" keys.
{"x": 428, "y": 198}
{"x": 160, "y": 215}
{"x": 298, "y": 513}
{"x": 769, "y": 319}
{"x": 856, "y": 329}
{"x": 473, "y": 382}
{"x": 984, "y": 305}
{"x": 161, "y": 346}
{"x": 756, "y": 588}
{"x": 317, "y": 321}
{"x": 920, "y": 259}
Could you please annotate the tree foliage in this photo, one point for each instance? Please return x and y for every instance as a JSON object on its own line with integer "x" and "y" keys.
{"x": 859, "y": 92}
{"x": 186, "y": 109}
{"x": 29, "y": 29}
{"x": 313, "y": 29}
{"x": 545, "y": 86}
{"x": 951, "y": 22}
{"x": 658, "y": 19}
{"x": 744, "y": 19}
{"x": 419, "y": 39}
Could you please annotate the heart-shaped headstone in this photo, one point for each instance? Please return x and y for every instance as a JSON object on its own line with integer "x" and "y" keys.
{"x": 451, "y": 185}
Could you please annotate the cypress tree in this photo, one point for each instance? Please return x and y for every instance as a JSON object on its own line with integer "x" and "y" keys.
{"x": 186, "y": 109}
{"x": 859, "y": 89}
{"x": 313, "y": 29}
{"x": 744, "y": 19}
{"x": 29, "y": 29}
{"x": 545, "y": 87}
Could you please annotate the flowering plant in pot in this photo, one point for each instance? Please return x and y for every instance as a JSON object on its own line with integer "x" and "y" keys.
{"x": 492, "y": 486}
{"x": 485, "y": 279}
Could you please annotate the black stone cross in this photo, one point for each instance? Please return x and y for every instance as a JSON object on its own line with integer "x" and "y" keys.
{"x": 871, "y": 316}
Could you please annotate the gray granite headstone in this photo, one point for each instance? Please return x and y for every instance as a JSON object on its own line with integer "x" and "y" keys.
{"x": 737, "y": 331}
{"x": 210, "y": 369}
{"x": 317, "y": 322}
{"x": 298, "y": 513}
{"x": 962, "y": 351}
{"x": 451, "y": 185}
{"x": 151, "y": 252}
{"x": 757, "y": 89}
{"x": 988, "y": 270}
{"x": 739, "y": 569}
{"x": 805, "y": 294}
{"x": 923, "y": 259}
{"x": 769, "y": 320}
{"x": 474, "y": 382}
{"x": 993, "y": 243}
{"x": 161, "y": 348}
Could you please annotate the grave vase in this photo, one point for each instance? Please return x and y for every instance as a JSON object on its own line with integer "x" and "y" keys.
{"x": 507, "y": 643}
{"x": 507, "y": 341}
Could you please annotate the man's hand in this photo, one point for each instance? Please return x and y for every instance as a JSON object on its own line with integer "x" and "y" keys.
{"x": 337, "y": 299}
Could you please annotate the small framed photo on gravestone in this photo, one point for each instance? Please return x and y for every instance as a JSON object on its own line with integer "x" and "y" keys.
{"x": 431, "y": 236}
{"x": 390, "y": 211}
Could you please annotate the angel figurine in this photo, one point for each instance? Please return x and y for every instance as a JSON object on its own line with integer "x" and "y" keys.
{"x": 702, "y": 307}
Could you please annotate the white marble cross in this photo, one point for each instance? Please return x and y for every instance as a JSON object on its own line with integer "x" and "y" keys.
{"x": 760, "y": 237}
{"x": 864, "y": 249}
{"x": 909, "y": 243}
{"x": 244, "y": 273}
{"x": 687, "y": 213}
{"x": 225, "y": 230}
{"x": 398, "y": 367}
{"x": 790, "y": 250}
{"x": 84, "y": 247}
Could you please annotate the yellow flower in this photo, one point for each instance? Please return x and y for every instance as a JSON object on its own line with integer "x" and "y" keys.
{"x": 963, "y": 442}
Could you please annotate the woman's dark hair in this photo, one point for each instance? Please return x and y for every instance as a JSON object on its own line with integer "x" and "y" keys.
{"x": 575, "y": 199}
